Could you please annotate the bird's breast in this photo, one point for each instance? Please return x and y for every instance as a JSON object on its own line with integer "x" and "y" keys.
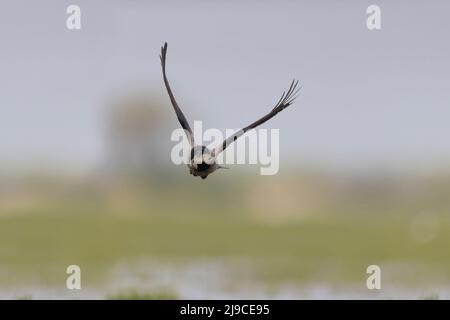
{"x": 203, "y": 167}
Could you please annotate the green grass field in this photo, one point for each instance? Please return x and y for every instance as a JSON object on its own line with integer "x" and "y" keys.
{"x": 333, "y": 244}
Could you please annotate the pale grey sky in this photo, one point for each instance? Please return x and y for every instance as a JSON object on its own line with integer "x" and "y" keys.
{"x": 368, "y": 97}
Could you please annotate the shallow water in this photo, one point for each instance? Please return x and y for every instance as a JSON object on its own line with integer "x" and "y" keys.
{"x": 215, "y": 279}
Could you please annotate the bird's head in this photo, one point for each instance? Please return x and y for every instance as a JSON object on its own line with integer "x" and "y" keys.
{"x": 201, "y": 154}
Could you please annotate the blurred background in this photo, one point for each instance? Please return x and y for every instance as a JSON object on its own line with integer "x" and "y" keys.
{"x": 86, "y": 176}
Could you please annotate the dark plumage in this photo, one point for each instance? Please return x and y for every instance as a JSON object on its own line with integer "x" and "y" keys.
{"x": 202, "y": 160}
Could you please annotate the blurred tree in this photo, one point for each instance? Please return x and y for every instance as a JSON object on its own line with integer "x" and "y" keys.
{"x": 137, "y": 139}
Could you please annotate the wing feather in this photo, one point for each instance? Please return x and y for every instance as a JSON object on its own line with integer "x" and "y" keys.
{"x": 287, "y": 98}
{"x": 181, "y": 118}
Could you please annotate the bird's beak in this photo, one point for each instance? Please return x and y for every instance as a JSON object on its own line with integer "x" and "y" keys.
{"x": 222, "y": 167}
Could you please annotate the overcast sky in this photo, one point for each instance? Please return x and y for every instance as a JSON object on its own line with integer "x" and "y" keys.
{"x": 368, "y": 97}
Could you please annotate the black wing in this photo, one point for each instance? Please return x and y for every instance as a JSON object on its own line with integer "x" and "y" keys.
{"x": 287, "y": 98}
{"x": 181, "y": 118}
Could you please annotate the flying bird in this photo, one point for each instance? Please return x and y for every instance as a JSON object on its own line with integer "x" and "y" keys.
{"x": 202, "y": 160}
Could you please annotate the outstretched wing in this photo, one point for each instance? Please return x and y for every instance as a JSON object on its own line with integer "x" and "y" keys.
{"x": 287, "y": 98}
{"x": 181, "y": 118}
